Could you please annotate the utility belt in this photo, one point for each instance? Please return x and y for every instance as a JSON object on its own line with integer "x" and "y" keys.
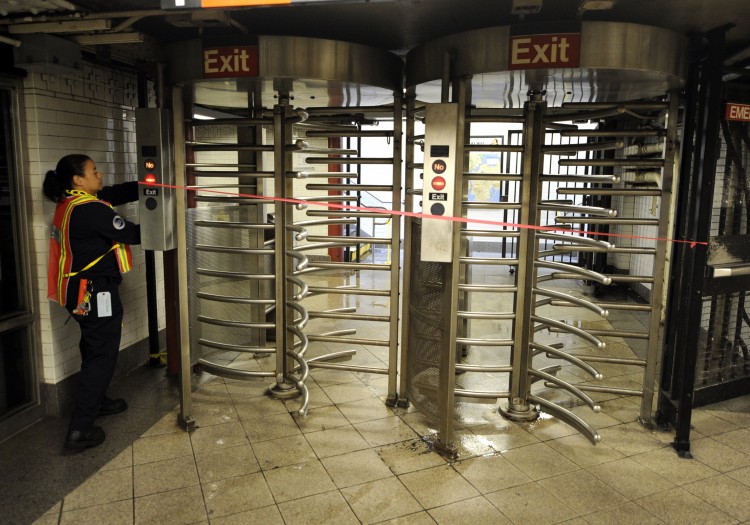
{"x": 86, "y": 294}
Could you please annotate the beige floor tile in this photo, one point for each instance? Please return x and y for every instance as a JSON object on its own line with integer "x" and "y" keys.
{"x": 161, "y": 446}
{"x": 505, "y": 435}
{"x": 356, "y": 468}
{"x": 548, "y": 428}
{"x": 54, "y": 519}
{"x": 165, "y": 475}
{"x": 282, "y": 452}
{"x": 168, "y": 424}
{"x": 669, "y": 465}
{"x": 336, "y": 441}
{"x": 474, "y": 511}
{"x": 539, "y": 461}
{"x": 630, "y": 478}
{"x": 724, "y": 493}
{"x": 626, "y": 514}
{"x": 226, "y": 463}
{"x": 629, "y": 439}
{"x": 317, "y": 399}
{"x": 176, "y": 507}
{"x": 320, "y": 419}
{"x": 708, "y": 424}
{"x": 216, "y": 413}
{"x": 207, "y": 439}
{"x": 409, "y": 456}
{"x": 438, "y": 486}
{"x": 717, "y": 455}
{"x": 106, "y": 486}
{"x": 323, "y": 377}
{"x": 365, "y": 410}
{"x": 385, "y": 431}
{"x": 742, "y": 475}
{"x": 678, "y": 507}
{"x": 233, "y": 495}
{"x": 580, "y": 451}
{"x": 214, "y": 391}
{"x": 530, "y": 503}
{"x": 258, "y": 407}
{"x": 621, "y": 409}
{"x": 380, "y": 500}
{"x": 597, "y": 420}
{"x": 121, "y": 460}
{"x": 348, "y": 392}
{"x": 117, "y": 513}
{"x": 420, "y": 423}
{"x": 330, "y": 508}
{"x": 738, "y": 439}
{"x": 582, "y": 492}
{"x": 266, "y": 515}
{"x": 298, "y": 481}
{"x": 419, "y": 518}
{"x": 490, "y": 473}
{"x": 467, "y": 444}
{"x": 270, "y": 427}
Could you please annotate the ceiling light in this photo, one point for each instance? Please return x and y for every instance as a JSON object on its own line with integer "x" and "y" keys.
{"x": 526, "y": 7}
{"x": 73, "y": 26}
{"x": 109, "y": 38}
{"x": 596, "y": 5}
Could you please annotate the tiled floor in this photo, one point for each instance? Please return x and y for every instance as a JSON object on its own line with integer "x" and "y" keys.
{"x": 354, "y": 460}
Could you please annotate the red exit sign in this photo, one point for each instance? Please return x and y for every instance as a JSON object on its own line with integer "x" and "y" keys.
{"x": 235, "y": 61}
{"x": 544, "y": 51}
{"x": 739, "y": 112}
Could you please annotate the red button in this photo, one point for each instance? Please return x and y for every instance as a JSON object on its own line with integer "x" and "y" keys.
{"x": 438, "y": 183}
{"x": 150, "y": 178}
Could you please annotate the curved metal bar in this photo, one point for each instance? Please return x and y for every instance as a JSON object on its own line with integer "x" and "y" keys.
{"x": 231, "y": 299}
{"x": 583, "y": 272}
{"x": 238, "y": 225}
{"x": 484, "y": 368}
{"x": 303, "y": 342}
{"x": 302, "y": 285}
{"x": 301, "y": 322}
{"x": 301, "y": 231}
{"x": 331, "y": 356}
{"x": 230, "y": 249}
{"x": 566, "y": 416}
{"x": 485, "y": 315}
{"x": 576, "y": 300}
{"x": 573, "y": 239}
{"x": 566, "y": 386}
{"x": 232, "y": 324}
{"x": 300, "y": 383}
{"x": 458, "y": 392}
{"x": 245, "y": 349}
{"x": 556, "y": 352}
{"x": 232, "y": 373}
{"x": 571, "y": 208}
{"x": 484, "y": 342}
{"x": 567, "y": 328}
{"x": 236, "y": 275}
{"x": 326, "y": 221}
{"x": 300, "y": 257}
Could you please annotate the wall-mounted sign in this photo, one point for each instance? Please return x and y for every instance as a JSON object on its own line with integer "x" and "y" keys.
{"x": 544, "y": 51}
{"x": 234, "y": 61}
{"x": 735, "y": 111}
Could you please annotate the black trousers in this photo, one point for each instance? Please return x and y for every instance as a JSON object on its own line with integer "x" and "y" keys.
{"x": 99, "y": 345}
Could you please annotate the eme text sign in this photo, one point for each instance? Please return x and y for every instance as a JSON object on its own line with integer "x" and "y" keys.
{"x": 740, "y": 112}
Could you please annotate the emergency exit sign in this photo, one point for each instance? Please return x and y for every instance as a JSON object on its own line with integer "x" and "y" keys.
{"x": 737, "y": 111}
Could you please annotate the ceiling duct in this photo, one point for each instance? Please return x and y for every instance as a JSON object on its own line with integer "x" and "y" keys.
{"x": 201, "y": 18}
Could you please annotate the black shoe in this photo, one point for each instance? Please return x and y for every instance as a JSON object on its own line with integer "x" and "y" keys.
{"x": 81, "y": 439}
{"x": 112, "y": 406}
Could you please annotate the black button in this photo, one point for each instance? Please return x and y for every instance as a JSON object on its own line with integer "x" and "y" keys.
{"x": 151, "y": 203}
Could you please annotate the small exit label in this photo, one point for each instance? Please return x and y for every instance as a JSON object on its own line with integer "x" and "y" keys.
{"x": 151, "y": 192}
{"x": 438, "y": 196}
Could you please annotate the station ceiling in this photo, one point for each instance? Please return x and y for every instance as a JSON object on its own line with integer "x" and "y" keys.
{"x": 396, "y": 25}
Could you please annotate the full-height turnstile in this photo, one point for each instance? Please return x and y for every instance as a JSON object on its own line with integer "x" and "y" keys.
{"x": 573, "y": 184}
{"x": 268, "y": 217}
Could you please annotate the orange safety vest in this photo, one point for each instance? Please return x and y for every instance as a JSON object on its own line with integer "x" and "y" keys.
{"x": 60, "y": 260}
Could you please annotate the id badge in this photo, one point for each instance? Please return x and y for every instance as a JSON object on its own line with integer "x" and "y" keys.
{"x": 103, "y": 304}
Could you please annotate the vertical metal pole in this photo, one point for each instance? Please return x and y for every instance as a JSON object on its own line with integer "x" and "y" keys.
{"x": 395, "y": 251}
{"x": 518, "y": 407}
{"x": 662, "y": 248}
{"x": 406, "y": 272}
{"x": 282, "y": 136}
{"x": 185, "y": 417}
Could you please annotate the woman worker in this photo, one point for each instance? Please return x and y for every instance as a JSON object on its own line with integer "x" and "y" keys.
{"x": 88, "y": 251}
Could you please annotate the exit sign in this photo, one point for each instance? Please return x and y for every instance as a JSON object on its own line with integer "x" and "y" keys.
{"x": 739, "y": 112}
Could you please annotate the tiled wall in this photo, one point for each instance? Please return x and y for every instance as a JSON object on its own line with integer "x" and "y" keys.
{"x": 88, "y": 111}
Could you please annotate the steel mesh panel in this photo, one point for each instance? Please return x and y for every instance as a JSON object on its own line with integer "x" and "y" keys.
{"x": 221, "y": 319}
{"x": 725, "y": 335}
{"x": 426, "y": 340}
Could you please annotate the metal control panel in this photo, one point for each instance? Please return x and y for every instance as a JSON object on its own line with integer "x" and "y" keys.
{"x": 157, "y": 203}
{"x": 440, "y": 145}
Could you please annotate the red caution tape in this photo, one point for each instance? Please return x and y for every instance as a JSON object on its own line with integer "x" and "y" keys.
{"x": 329, "y": 205}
